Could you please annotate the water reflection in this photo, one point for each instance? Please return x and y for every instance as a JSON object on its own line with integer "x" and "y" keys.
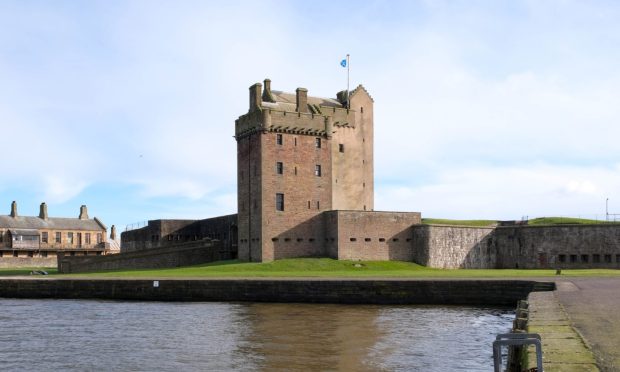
{"x": 139, "y": 336}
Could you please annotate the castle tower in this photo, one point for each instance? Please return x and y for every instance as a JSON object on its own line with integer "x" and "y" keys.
{"x": 298, "y": 156}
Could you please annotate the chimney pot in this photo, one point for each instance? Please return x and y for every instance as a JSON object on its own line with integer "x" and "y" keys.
{"x": 302, "y": 99}
{"x": 113, "y": 233}
{"x": 43, "y": 211}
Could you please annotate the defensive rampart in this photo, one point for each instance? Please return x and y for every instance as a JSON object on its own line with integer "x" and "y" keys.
{"x": 510, "y": 247}
{"x": 192, "y": 253}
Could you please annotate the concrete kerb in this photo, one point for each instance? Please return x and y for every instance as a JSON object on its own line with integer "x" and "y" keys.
{"x": 563, "y": 347}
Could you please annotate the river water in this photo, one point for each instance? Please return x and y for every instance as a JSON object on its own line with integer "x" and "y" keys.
{"x": 78, "y": 335}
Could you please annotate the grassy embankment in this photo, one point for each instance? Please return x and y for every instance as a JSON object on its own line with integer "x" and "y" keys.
{"x": 322, "y": 268}
{"x": 532, "y": 222}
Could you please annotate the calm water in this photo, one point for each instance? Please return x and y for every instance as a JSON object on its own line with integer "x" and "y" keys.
{"x": 146, "y": 336}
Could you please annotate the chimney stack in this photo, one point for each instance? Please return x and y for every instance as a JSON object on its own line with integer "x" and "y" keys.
{"x": 267, "y": 97}
{"x": 43, "y": 211}
{"x": 113, "y": 233}
{"x": 302, "y": 100}
{"x": 13, "y": 209}
{"x": 83, "y": 213}
{"x": 255, "y": 96}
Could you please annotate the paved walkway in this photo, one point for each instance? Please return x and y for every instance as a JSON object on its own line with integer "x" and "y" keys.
{"x": 593, "y": 306}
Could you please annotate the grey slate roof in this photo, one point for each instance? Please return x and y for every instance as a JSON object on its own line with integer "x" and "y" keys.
{"x": 52, "y": 223}
{"x": 288, "y": 101}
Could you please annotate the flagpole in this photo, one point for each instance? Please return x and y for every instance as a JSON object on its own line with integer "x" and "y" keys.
{"x": 348, "y": 100}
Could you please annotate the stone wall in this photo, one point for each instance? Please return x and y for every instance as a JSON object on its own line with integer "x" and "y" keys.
{"x": 22, "y": 262}
{"x": 168, "y": 233}
{"x": 371, "y": 236}
{"x": 423, "y": 292}
{"x": 454, "y": 247}
{"x": 568, "y": 246}
{"x": 523, "y": 247}
{"x": 186, "y": 254}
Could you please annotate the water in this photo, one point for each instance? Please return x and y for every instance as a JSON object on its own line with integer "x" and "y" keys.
{"x": 77, "y": 335}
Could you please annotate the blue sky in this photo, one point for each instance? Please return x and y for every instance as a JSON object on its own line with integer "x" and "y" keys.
{"x": 483, "y": 109}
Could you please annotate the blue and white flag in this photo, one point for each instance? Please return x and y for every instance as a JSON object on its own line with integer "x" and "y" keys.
{"x": 343, "y": 63}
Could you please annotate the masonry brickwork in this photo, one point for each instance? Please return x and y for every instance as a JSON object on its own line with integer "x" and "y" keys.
{"x": 298, "y": 156}
{"x": 518, "y": 247}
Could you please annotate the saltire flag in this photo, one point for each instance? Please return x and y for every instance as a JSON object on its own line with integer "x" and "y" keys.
{"x": 343, "y": 63}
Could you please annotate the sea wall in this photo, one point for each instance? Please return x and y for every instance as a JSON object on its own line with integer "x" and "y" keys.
{"x": 186, "y": 254}
{"x": 454, "y": 247}
{"x": 345, "y": 291}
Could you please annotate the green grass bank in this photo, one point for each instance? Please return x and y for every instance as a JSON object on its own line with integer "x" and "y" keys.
{"x": 319, "y": 268}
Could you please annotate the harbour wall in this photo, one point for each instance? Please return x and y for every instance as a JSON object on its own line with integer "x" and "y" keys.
{"x": 344, "y": 291}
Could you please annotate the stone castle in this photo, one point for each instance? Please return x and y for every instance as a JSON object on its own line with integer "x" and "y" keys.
{"x": 305, "y": 188}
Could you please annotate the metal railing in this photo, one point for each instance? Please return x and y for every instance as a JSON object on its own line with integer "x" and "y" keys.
{"x": 136, "y": 225}
{"x": 516, "y": 339}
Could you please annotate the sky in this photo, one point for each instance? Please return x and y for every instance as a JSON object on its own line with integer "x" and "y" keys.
{"x": 483, "y": 109}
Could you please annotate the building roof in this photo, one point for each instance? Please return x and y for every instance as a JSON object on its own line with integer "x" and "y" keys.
{"x": 24, "y": 232}
{"x": 52, "y": 223}
{"x": 288, "y": 101}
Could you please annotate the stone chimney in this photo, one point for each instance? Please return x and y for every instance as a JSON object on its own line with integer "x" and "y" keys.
{"x": 13, "y": 209}
{"x": 83, "y": 213}
{"x": 302, "y": 99}
{"x": 343, "y": 97}
{"x": 267, "y": 96}
{"x": 113, "y": 233}
{"x": 43, "y": 211}
{"x": 255, "y": 96}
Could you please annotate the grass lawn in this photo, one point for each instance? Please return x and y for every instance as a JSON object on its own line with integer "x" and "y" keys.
{"x": 326, "y": 268}
{"x": 564, "y": 221}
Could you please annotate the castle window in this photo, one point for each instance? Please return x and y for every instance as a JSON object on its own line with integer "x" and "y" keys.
{"x": 15, "y": 253}
{"x": 70, "y": 238}
{"x": 584, "y": 258}
{"x": 317, "y": 143}
{"x": 99, "y": 237}
{"x": 279, "y": 167}
{"x": 58, "y": 237}
{"x": 295, "y": 170}
{"x": 573, "y": 258}
{"x": 381, "y": 239}
{"x": 44, "y": 254}
{"x": 317, "y": 170}
{"x": 395, "y": 239}
{"x": 341, "y": 147}
{"x": 318, "y": 206}
{"x": 361, "y": 110}
{"x": 287, "y": 239}
{"x": 353, "y": 239}
{"x": 596, "y": 258}
{"x": 295, "y": 141}
{"x": 308, "y": 204}
{"x": 300, "y": 239}
{"x": 274, "y": 239}
{"x": 562, "y": 258}
{"x": 607, "y": 258}
{"x": 278, "y": 139}
{"x": 280, "y": 202}
{"x": 311, "y": 240}
{"x": 87, "y": 238}
{"x": 367, "y": 239}
{"x": 44, "y": 237}
{"x": 30, "y": 254}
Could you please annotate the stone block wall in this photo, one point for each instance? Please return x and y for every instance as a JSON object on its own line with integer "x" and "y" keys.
{"x": 22, "y": 262}
{"x": 568, "y": 246}
{"x": 454, "y": 247}
{"x": 370, "y": 236}
{"x": 186, "y": 254}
